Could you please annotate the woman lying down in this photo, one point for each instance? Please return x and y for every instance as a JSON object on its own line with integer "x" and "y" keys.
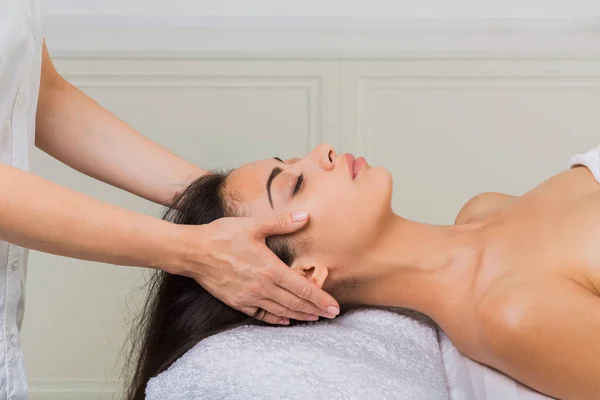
{"x": 514, "y": 284}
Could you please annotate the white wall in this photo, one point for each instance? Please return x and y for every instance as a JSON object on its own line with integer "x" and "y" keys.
{"x": 332, "y": 8}
{"x": 451, "y": 112}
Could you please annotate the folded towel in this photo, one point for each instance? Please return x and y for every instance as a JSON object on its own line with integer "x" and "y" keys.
{"x": 364, "y": 354}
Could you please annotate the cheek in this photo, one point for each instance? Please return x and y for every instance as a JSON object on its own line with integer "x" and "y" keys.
{"x": 346, "y": 204}
{"x": 342, "y": 215}
{"x": 331, "y": 221}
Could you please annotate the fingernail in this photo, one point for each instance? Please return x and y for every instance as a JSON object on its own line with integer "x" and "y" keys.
{"x": 333, "y": 310}
{"x": 312, "y": 318}
{"x": 299, "y": 216}
{"x": 285, "y": 321}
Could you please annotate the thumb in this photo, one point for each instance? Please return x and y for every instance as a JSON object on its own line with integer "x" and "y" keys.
{"x": 283, "y": 223}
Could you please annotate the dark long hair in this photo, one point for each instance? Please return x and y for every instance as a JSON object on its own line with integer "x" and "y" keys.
{"x": 178, "y": 313}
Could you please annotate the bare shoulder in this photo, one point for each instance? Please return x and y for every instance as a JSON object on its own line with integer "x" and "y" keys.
{"x": 482, "y": 205}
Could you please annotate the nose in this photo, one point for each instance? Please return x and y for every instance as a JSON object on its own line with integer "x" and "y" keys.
{"x": 325, "y": 156}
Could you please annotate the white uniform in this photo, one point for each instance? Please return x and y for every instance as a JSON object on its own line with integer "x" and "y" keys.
{"x": 20, "y": 68}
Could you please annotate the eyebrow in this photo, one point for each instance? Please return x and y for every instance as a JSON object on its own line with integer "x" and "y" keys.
{"x": 276, "y": 171}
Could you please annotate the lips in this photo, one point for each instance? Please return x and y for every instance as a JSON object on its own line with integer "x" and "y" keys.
{"x": 354, "y": 164}
{"x": 359, "y": 163}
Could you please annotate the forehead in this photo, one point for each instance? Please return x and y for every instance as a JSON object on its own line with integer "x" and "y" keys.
{"x": 248, "y": 184}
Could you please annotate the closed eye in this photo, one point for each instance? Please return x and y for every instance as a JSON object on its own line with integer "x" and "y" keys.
{"x": 298, "y": 186}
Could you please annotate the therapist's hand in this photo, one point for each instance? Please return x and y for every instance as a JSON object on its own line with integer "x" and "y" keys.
{"x": 231, "y": 261}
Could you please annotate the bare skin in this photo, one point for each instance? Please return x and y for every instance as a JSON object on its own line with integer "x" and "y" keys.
{"x": 514, "y": 283}
{"x": 537, "y": 291}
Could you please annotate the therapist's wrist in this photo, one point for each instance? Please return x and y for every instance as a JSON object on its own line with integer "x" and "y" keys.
{"x": 185, "y": 249}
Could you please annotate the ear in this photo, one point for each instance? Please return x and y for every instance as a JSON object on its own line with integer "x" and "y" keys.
{"x": 317, "y": 275}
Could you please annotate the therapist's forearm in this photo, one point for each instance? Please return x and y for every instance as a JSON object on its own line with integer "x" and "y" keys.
{"x": 41, "y": 215}
{"x": 76, "y": 130}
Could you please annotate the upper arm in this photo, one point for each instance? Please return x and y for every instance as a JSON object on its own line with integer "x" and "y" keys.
{"x": 49, "y": 82}
{"x": 49, "y": 74}
{"x": 482, "y": 206}
{"x": 548, "y": 340}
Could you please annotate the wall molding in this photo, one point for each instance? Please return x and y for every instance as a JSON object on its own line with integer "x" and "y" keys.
{"x": 50, "y": 389}
{"x": 364, "y": 79}
{"x": 312, "y": 85}
{"x": 287, "y": 38}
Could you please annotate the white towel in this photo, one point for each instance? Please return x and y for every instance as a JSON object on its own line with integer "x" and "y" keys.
{"x": 364, "y": 354}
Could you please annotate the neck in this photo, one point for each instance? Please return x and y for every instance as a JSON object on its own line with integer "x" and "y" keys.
{"x": 422, "y": 267}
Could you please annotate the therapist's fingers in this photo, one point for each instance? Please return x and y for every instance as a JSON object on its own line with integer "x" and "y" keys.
{"x": 295, "y": 304}
{"x": 281, "y": 224}
{"x": 262, "y": 315}
{"x": 306, "y": 293}
{"x": 277, "y": 309}
{"x": 303, "y": 292}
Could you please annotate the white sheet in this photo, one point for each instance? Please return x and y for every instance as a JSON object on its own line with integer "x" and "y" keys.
{"x": 469, "y": 380}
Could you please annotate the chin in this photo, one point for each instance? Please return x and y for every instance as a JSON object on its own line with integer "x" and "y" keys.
{"x": 382, "y": 177}
{"x": 380, "y": 187}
